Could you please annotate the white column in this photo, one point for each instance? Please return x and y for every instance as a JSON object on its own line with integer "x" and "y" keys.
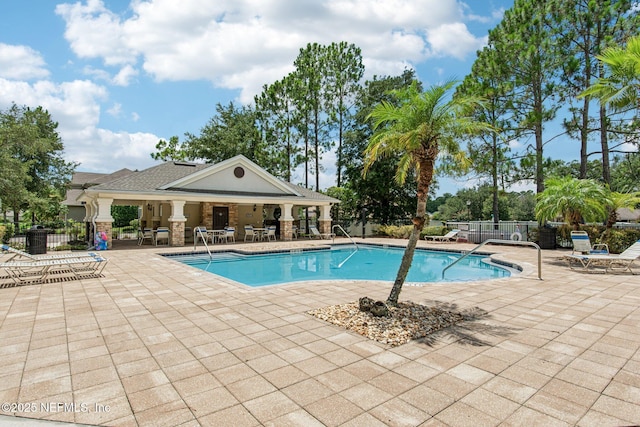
{"x": 325, "y": 213}
{"x": 103, "y": 213}
{"x": 177, "y": 211}
{"x": 286, "y": 212}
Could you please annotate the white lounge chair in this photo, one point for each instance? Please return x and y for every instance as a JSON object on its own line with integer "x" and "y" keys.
{"x": 316, "y": 234}
{"x": 17, "y": 255}
{"x": 582, "y": 244}
{"x": 610, "y": 262}
{"x": 451, "y": 236}
{"x": 39, "y": 271}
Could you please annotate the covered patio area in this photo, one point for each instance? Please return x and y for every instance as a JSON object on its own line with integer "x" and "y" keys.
{"x": 182, "y": 196}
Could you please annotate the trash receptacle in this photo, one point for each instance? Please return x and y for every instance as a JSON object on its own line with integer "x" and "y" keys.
{"x": 36, "y": 240}
{"x": 547, "y": 237}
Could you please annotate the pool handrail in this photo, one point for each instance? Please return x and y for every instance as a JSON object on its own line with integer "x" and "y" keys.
{"x": 199, "y": 232}
{"x": 502, "y": 242}
{"x": 345, "y": 233}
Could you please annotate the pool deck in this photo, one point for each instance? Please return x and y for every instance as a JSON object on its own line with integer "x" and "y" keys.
{"x": 158, "y": 343}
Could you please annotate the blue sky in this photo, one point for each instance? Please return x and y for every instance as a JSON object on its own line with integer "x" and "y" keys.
{"x": 120, "y": 75}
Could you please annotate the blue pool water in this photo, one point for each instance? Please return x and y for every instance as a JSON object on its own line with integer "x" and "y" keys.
{"x": 341, "y": 263}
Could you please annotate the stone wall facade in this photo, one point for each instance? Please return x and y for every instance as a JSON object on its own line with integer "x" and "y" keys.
{"x": 177, "y": 233}
{"x": 206, "y": 213}
{"x": 324, "y": 226}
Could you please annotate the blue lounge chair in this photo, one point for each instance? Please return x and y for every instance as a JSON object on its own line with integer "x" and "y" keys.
{"x": 582, "y": 244}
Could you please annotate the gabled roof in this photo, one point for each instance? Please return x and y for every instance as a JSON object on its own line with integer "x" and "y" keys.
{"x": 82, "y": 180}
{"x": 234, "y": 177}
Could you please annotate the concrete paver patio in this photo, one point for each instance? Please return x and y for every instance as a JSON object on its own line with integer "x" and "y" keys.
{"x": 158, "y": 343}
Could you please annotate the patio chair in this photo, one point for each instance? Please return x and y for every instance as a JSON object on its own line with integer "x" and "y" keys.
{"x": 250, "y": 232}
{"x": 162, "y": 233}
{"x": 316, "y": 234}
{"x": 39, "y": 271}
{"x": 145, "y": 234}
{"x": 582, "y": 244}
{"x": 17, "y": 255}
{"x": 270, "y": 233}
{"x": 610, "y": 262}
{"x": 201, "y": 233}
{"x": 451, "y": 236}
{"x": 228, "y": 234}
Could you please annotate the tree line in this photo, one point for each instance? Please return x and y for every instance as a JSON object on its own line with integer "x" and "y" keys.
{"x": 539, "y": 62}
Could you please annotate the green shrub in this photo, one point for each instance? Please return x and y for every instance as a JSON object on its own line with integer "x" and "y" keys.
{"x": 397, "y": 231}
{"x": 619, "y": 240}
{"x": 6, "y": 232}
{"x": 439, "y": 230}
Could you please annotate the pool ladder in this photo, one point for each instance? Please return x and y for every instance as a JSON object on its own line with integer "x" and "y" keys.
{"x": 502, "y": 242}
{"x": 204, "y": 237}
{"x": 345, "y": 233}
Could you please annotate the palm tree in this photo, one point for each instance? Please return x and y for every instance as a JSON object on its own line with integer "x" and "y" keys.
{"x": 417, "y": 129}
{"x": 620, "y": 200}
{"x": 575, "y": 200}
{"x": 621, "y": 89}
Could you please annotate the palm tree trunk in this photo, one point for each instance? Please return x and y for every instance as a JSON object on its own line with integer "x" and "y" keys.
{"x": 424, "y": 180}
{"x": 405, "y": 265}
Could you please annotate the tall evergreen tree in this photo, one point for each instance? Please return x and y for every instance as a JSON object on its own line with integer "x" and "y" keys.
{"x": 309, "y": 75}
{"x": 583, "y": 28}
{"x": 489, "y": 152}
{"x": 343, "y": 73}
{"x": 524, "y": 42}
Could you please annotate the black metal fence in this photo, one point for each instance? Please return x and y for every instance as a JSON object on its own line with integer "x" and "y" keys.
{"x": 76, "y": 236}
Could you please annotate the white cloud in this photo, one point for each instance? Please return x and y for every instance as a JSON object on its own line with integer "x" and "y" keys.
{"x": 21, "y": 62}
{"x": 454, "y": 40}
{"x": 76, "y": 107}
{"x": 244, "y": 44}
{"x": 96, "y": 32}
{"x": 115, "y": 110}
{"x": 124, "y": 76}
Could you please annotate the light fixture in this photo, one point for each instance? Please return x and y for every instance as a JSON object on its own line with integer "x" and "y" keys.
{"x": 255, "y": 207}
{"x": 149, "y": 207}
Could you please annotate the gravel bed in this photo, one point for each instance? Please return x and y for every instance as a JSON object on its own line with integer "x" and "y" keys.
{"x": 407, "y": 321}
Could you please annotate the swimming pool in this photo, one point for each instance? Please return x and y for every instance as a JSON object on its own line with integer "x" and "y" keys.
{"x": 341, "y": 263}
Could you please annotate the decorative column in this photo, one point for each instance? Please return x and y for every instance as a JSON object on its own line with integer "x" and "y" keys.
{"x": 176, "y": 223}
{"x": 324, "y": 222}
{"x": 103, "y": 219}
{"x": 286, "y": 222}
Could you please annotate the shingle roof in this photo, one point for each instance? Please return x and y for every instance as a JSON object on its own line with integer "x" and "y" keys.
{"x": 152, "y": 179}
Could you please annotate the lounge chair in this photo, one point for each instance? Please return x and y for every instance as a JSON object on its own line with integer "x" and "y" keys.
{"x": 39, "y": 271}
{"x": 451, "y": 236}
{"x": 316, "y": 234}
{"x": 18, "y": 255}
{"x": 582, "y": 244}
{"x": 610, "y": 262}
